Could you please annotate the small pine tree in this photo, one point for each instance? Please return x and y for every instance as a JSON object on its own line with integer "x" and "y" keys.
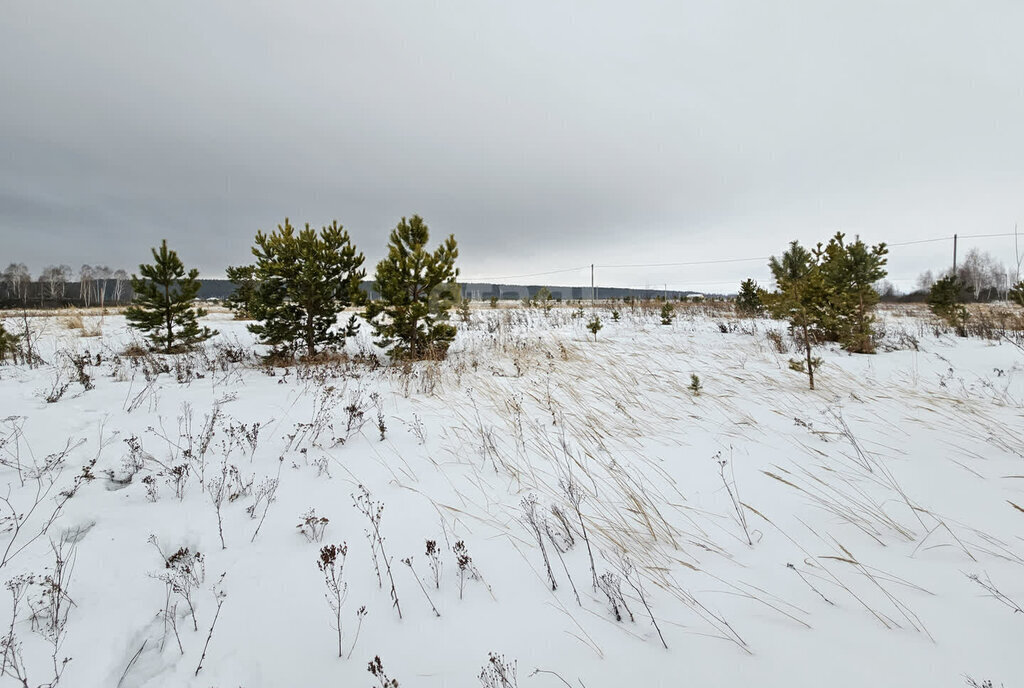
{"x": 494, "y": 302}
{"x": 464, "y": 311}
{"x": 162, "y": 306}
{"x": 801, "y": 298}
{"x": 417, "y": 290}
{"x": 667, "y": 314}
{"x": 244, "y": 279}
{"x": 304, "y": 280}
{"x": 1016, "y": 293}
{"x": 748, "y": 300}
{"x": 9, "y": 347}
{"x": 594, "y": 325}
{"x": 945, "y": 301}
{"x": 849, "y": 272}
{"x": 695, "y": 384}
{"x": 543, "y": 299}
{"x": 615, "y": 315}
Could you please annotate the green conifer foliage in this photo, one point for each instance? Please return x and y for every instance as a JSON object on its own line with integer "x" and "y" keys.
{"x": 1016, "y": 293}
{"x": 244, "y": 279}
{"x": 945, "y": 301}
{"x": 849, "y": 272}
{"x": 748, "y": 300}
{"x": 801, "y": 299}
{"x": 667, "y": 313}
{"x": 417, "y": 288}
{"x": 162, "y": 305}
{"x": 9, "y": 346}
{"x": 301, "y": 282}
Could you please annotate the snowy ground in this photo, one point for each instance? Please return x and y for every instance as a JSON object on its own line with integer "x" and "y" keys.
{"x": 833, "y": 547}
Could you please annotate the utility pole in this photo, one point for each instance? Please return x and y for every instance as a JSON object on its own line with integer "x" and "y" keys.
{"x": 954, "y": 255}
{"x": 593, "y": 294}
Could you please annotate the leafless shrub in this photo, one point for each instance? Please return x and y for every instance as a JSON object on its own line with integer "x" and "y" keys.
{"x": 434, "y": 557}
{"x": 417, "y": 428}
{"x": 632, "y": 578}
{"x": 177, "y": 477}
{"x": 360, "y": 615}
{"x": 219, "y": 490}
{"x": 556, "y": 536}
{"x": 219, "y": 596}
{"x": 408, "y": 562}
{"x": 465, "y": 565}
{"x": 307, "y": 435}
{"x": 13, "y": 663}
{"x": 611, "y": 585}
{"x": 556, "y": 675}
{"x": 58, "y": 388}
{"x": 169, "y": 615}
{"x": 244, "y": 436}
{"x": 734, "y": 494}
{"x": 373, "y": 511}
{"x": 39, "y": 506}
{"x": 775, "y": 338}
{"x": 382, "y": 427}
{"x": 79, "y": 362}
{"x": 49, "y": 607}
{"x": 355, "y": 411}
{"x": 266, "y": 493}
{"x": 536, "y": 524}
{"x": 332, "y": 565}
{"x": 376, "y": 667}
{"x": 574, "y": 493}
{"x": 499, "y": 672}
{"x": 238, "y": 485}
{"x": 987, "y": 683}
{"x": 131, "y": 464}
{"x": 809, "y": 584}
{"x": 994, "y": 592}
{"x": 312, "y": 526}
{"x": 562, "y": 533}
{"x": 836, "y": 415}
{"x": 322, "y": 464}
{"x": 10, "y": 445}
{"x": 183, "y": 573}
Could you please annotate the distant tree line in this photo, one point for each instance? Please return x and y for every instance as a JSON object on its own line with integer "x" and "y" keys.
{"x": 59, "y": 285}
{"x": 982, "y": 277}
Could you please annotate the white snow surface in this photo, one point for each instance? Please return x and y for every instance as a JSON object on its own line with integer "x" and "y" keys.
{"x": 869, "y": 502}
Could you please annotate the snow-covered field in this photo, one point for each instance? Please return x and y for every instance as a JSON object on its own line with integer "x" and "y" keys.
{"x": 766, "y": 534}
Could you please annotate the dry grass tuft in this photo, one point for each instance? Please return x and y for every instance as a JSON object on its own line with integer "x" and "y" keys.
{"x": 134, "y": 350}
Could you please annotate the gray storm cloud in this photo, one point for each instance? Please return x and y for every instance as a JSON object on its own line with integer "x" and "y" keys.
{"x": 543, "y": 134}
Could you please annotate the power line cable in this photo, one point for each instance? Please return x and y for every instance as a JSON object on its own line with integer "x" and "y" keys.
{"x": 492, "y": 280}
{"x": 691, "y": 262}
{"x": 486, "y": 280}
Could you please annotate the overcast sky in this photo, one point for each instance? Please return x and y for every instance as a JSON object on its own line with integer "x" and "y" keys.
{"x": 544, "y": 135}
